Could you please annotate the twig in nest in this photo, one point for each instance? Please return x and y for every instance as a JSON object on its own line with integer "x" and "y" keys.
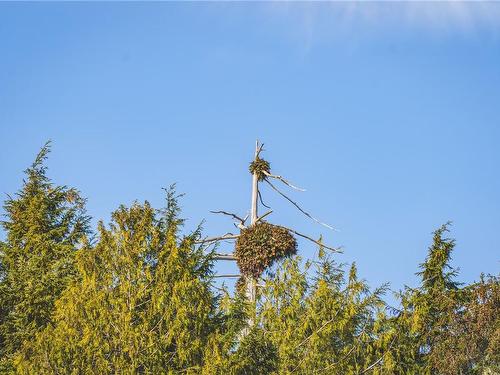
{"x": 288, "y": 183}
{"x": 337, "y": 250}
{"x": 263, "y": 216}
{"x": 298, "y": 207}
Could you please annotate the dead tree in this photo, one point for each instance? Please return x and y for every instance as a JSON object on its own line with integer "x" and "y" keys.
{"x": 260, "y": 170}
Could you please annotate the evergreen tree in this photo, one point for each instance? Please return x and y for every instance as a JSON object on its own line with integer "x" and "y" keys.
{"x": 140, "y": 300}
{"x": 471, "y": 342}
{"x": 44, "y": 226}
{"x": 428, "y": 310}
{"x": 327, "y": 324}
{"x": 143, "y": 302}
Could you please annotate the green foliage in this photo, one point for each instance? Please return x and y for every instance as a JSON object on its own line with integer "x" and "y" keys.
{"x": 45, "y": 224}
{"x": 471, "y": 342}
{"x": 260, "y": 245}
{"x": 139, "y": 299}
{"x": 256, "y": 355}
{"x": 326, "y": 324}
{"x": 143, "y": 303}
{"x": 446, "y": 329}
{"x": 436, "y": 273}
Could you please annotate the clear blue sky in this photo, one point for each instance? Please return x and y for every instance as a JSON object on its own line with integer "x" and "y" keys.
{"x": 389, "y": 115}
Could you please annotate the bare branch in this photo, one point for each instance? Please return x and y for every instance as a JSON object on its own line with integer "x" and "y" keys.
{"x": 288, "y": 183}
{"x": 258, "y": 148}
{"x": 231, "y": 214}
{"x": 219, "y": 289}
{"x": 227, "y": 236}
{"x": 224, "y": 256}
{"x": 337, "y": 250}
{"x": 261, "y": 201}
{"x": 263, "y": 216}
{"x": 227, "y": 276}
{"x": 206, "y": 247}
{"x": 296, "y": 205}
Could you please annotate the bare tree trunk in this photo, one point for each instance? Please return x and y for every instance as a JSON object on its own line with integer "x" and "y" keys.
{"x": 251, "y": 287}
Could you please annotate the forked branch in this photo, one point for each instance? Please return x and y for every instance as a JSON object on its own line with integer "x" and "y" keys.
{"x": 259, "y": 148}
{"x": 242, "y": 221}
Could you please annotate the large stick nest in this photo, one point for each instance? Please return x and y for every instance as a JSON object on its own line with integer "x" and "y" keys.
{"x": 260, "y": 245}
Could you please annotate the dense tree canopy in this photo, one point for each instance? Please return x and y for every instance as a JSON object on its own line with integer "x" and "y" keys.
{"x": 45, "y": 224}
{"x": 138, "y": 297}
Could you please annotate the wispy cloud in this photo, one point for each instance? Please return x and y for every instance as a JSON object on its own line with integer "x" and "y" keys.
{"x": 313, "y": 20}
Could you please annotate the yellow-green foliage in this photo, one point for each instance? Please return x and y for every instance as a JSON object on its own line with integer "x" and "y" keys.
{"x": 138, "y": 299}
{"x": 320, "y": 325}
{"x": 142, "y": 304}
{"x": 44, "y": 225}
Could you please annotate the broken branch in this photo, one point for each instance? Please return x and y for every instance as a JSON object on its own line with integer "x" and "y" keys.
{"x": 226, "y": 276}
{"x": 288, "y": 183}
{"x": 227, "y": 236}
{"x": 232, "y": 215}
{"x": 224, "y": 257}
{"x": 259, "y": 148}
{"x": 261, "y": 201}
{"x": 298, "y": 207}
{"x": 337, "y": 250}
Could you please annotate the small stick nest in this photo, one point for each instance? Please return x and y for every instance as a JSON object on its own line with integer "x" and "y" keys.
{"x": 259, "y": 166}
{"x": 260, "y": 245}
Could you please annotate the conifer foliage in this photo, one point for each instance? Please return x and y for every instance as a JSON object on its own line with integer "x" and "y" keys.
{"x": 139, "y": 298}
{"x": 45, "y": 224}
{"x": 143, "y": 303}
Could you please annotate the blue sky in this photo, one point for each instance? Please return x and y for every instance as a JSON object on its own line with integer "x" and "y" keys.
{"x": 387, "y": 113}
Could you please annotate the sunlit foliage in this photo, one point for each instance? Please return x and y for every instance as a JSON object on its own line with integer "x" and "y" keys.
{"x": 138, "y": 297}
